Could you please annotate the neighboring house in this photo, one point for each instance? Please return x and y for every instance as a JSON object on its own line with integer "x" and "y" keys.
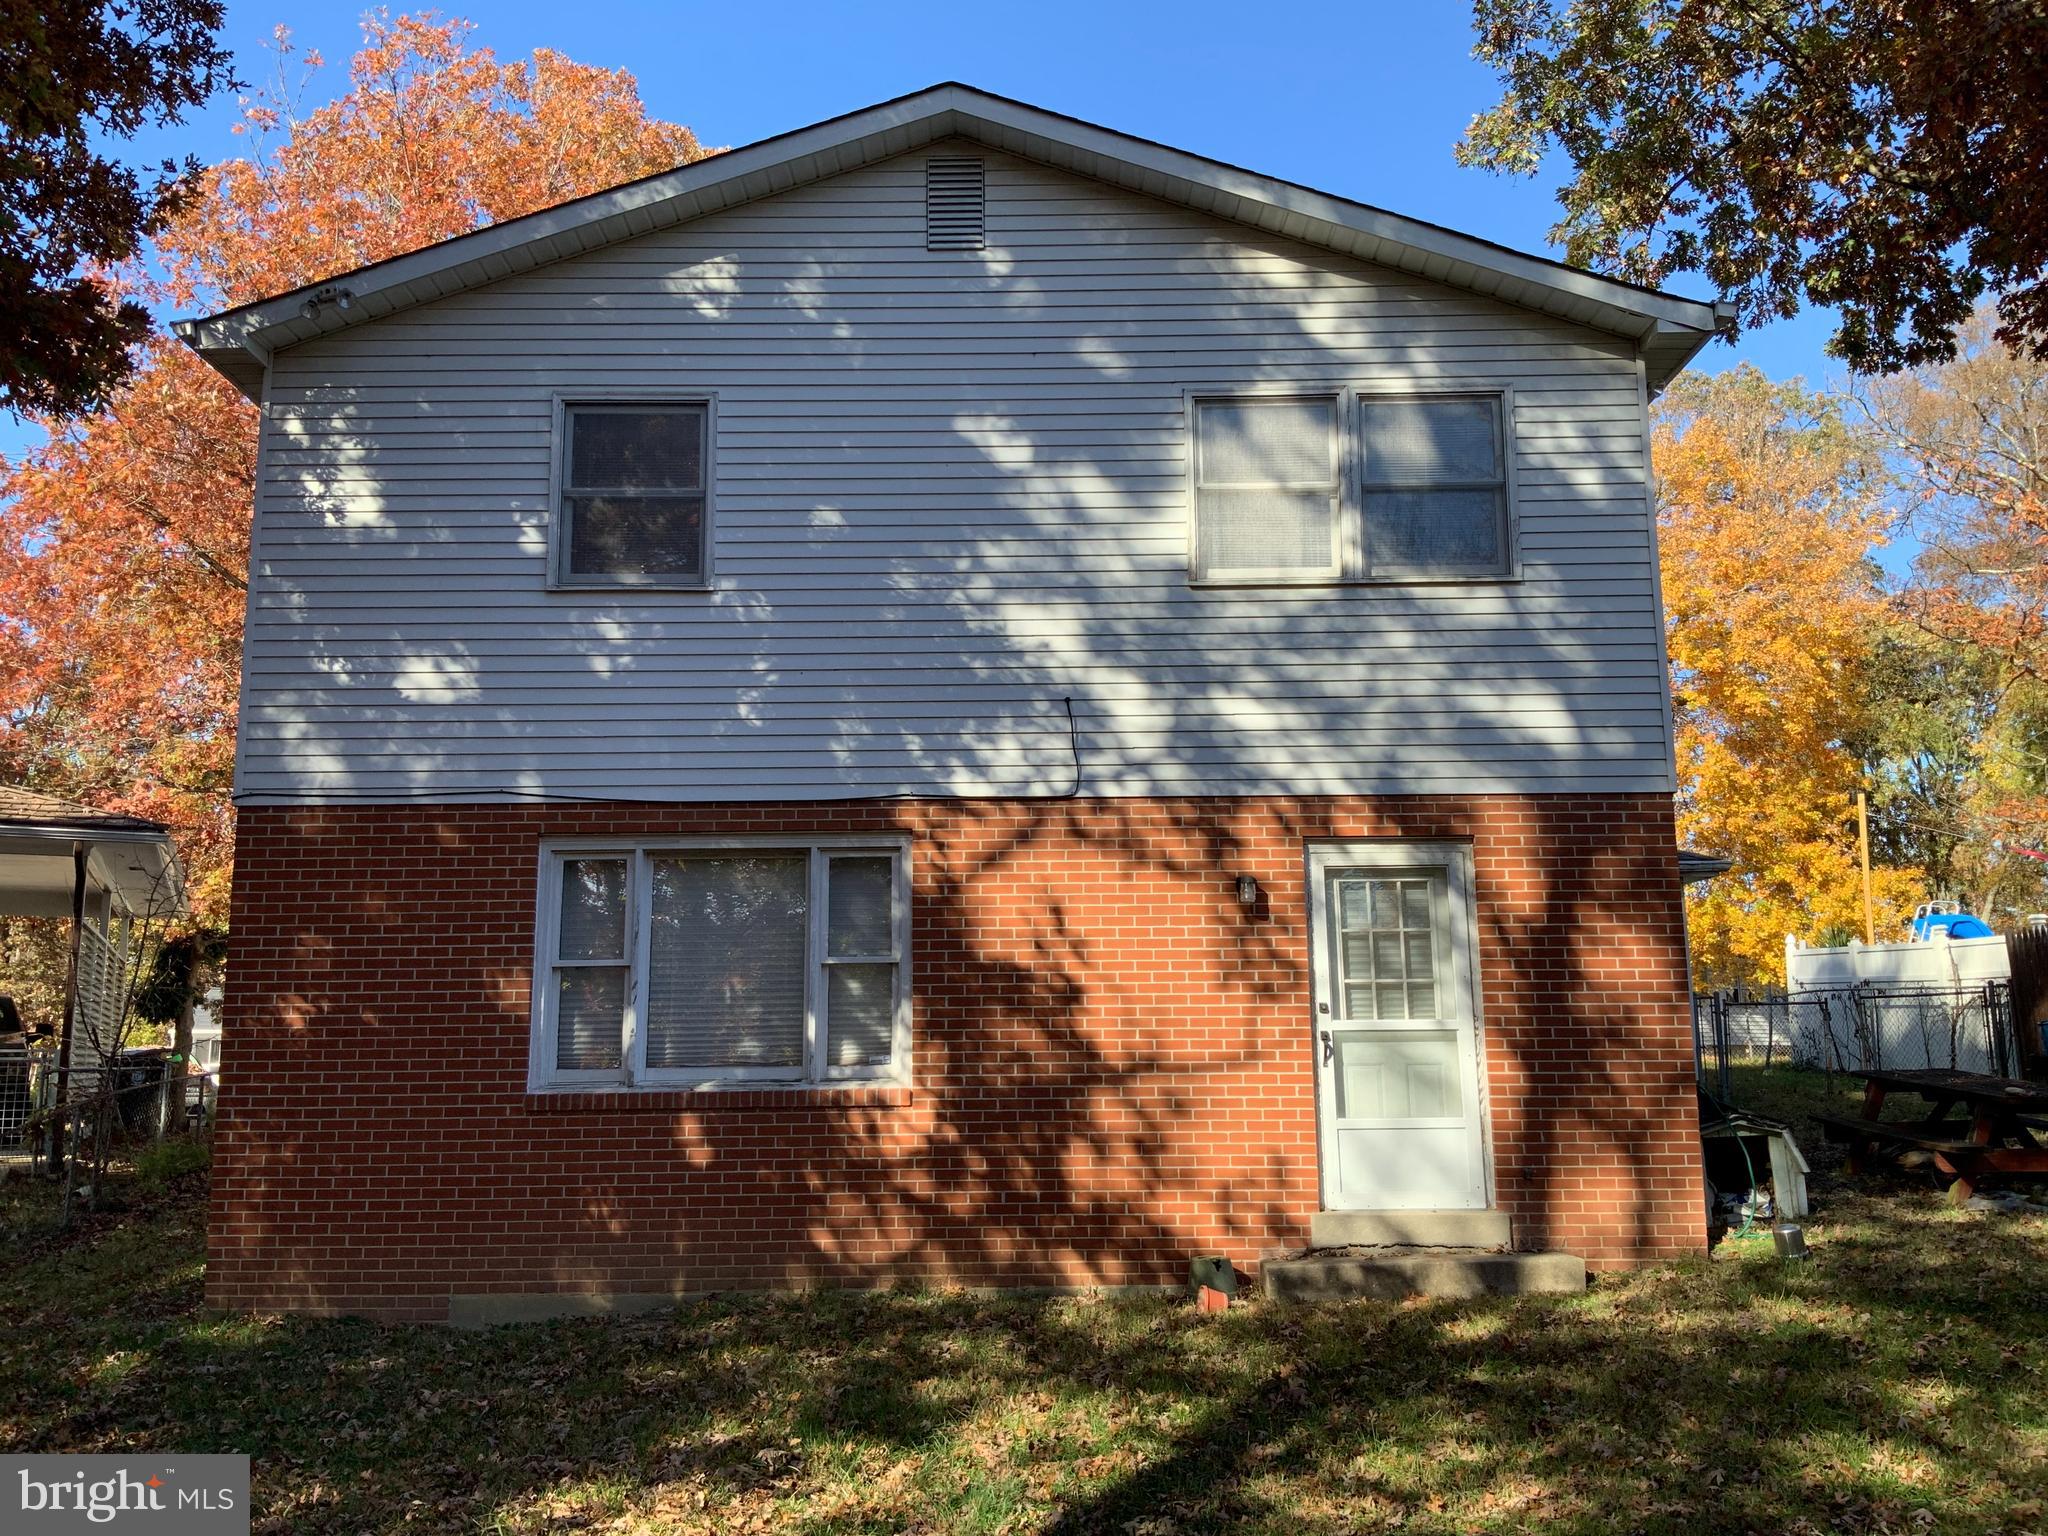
{"x": 106, "y": 875}
{"x": 951, "y": 694}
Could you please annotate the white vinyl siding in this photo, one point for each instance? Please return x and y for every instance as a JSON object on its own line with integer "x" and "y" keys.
{"x": 952, "y": 489}
{"x": 727, "y": 964}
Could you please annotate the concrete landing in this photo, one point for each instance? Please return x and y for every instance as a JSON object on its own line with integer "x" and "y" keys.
{"x": 1408, "y": 1229}
{"x": 1392, "y": 1274}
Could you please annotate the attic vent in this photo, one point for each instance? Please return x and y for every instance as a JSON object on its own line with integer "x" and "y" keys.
{"x": 955, "y": 203}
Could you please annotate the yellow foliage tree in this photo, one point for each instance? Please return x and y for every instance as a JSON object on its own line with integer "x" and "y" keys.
{"x": 1769, "y": 506}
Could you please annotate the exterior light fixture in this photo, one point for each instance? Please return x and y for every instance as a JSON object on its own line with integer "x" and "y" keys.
{"x": 340, "y": 298}
{"x": 1247, "y": 892}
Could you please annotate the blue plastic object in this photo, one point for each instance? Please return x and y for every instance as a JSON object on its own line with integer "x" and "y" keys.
{"x": 1957, "y": 925}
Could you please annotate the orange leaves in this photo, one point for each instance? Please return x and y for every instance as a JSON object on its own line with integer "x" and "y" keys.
{"x": 434, "y": 137}
{"x": 124, "y": 536}
{"x": 1767, "y": 515}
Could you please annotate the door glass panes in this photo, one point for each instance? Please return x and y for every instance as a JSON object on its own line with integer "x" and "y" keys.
{"x": 1398, "y": 1075}
{"x": 1387, "y": 946}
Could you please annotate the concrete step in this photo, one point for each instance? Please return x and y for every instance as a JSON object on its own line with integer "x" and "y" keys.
{"x": 1410, "y": 1229}
{"x": 1390, "y": 1274}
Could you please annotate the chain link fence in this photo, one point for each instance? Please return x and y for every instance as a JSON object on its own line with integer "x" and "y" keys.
{"x": 1862, "y": 1028}
{"x": 141, "y": 1094}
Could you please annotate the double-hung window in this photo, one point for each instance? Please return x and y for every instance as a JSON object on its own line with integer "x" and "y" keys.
{"x": 1267, "y": 488}
{"x": 633, "y": 503}
{"x": 1352, "y": 485}
{"x": 1433, "y": 486}
{"x": 710, "y": 966}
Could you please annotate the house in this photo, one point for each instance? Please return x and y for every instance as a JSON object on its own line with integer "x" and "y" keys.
{"x": 106, "y": 874}
{"x": 954, "y": 694}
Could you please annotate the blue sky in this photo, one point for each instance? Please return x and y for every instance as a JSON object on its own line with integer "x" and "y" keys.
{"x": 1364, "y": 100}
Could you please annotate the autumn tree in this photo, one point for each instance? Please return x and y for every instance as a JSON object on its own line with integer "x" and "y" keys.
{"x": 124, "y": 536}
{"x": 1884, "y": 157}
{"x": 74, "y": 73}
{"x": 1768, "y": 508}
{"x": 1969, "y": 441}
{"x": 1955, "y": 761}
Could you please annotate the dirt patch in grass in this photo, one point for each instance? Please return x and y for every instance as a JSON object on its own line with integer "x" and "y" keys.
{"x": 1895, "y": 1384}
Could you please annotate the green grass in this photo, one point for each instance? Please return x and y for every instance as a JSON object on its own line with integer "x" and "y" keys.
{"x": 1895, "y": 1384}
{"x": 1795, "y": 1097}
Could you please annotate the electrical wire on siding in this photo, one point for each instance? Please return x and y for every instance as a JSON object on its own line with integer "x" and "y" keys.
{"x": 522, "y": 792}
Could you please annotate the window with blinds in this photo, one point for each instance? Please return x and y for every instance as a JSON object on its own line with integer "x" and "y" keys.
{"x": 1351, "y": 486}
{"x": 634, "y": 500}
{"x": 702, "y": 966}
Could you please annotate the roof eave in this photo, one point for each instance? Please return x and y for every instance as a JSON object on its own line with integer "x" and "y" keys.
{"x": 239, "y": 343}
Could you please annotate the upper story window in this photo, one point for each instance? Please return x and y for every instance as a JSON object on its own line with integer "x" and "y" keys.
{"x": 1433, "y": 485}
{"x": 1351, "y": 486}
{"x": 1266, "y": 488}
{"x": 634, "y": 502}
{"x": 706, "y": 966}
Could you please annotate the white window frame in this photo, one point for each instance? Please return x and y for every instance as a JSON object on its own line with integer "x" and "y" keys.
{"x": 559, "y": 578}
{"x": 816, "y": 1071}
{"x": 1352, "y": 565}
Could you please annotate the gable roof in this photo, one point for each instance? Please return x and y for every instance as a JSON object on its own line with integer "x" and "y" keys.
{"x": 1668, "y": 329}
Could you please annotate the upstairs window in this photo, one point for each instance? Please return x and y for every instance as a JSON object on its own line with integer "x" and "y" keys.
{"x": 1266, "y": 488}
{"x": 1434, "y": 486}
{"x": 1351, "y": 486}
{"x": 634, "y": 501}
{"x": 705, "y": 966}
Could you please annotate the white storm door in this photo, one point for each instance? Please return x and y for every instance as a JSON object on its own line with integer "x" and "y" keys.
{"x": 1397, "y": 1058}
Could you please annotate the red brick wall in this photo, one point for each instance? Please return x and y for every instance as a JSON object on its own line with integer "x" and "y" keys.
{"x": 1113, "y": 1062}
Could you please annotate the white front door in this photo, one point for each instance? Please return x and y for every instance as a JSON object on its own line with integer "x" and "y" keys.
{"x": 1397, "y": 1057}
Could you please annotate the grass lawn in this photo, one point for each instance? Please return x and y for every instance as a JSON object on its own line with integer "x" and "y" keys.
{"x": 1895, "y": 1384}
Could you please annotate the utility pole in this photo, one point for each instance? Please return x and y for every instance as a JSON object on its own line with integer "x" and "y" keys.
{"x": 1863, "y": 852}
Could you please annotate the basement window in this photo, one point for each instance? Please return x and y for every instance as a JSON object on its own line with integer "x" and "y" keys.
{"x": 721, "y": 965}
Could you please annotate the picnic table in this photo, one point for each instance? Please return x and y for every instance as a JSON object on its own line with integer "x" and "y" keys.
{"x": 1997, "y": 1132}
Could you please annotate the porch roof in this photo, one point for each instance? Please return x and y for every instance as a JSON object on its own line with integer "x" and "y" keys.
{"x": 128, "y": 858}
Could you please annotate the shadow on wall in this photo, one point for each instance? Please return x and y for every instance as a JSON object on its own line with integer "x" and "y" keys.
{"x": 1113, "y": 1059}
{"x": 918, "y": 561}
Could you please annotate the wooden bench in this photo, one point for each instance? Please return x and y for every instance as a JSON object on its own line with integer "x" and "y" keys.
{"x": 1854, "y": 1130}
{"x": 1962, "y": 1159}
